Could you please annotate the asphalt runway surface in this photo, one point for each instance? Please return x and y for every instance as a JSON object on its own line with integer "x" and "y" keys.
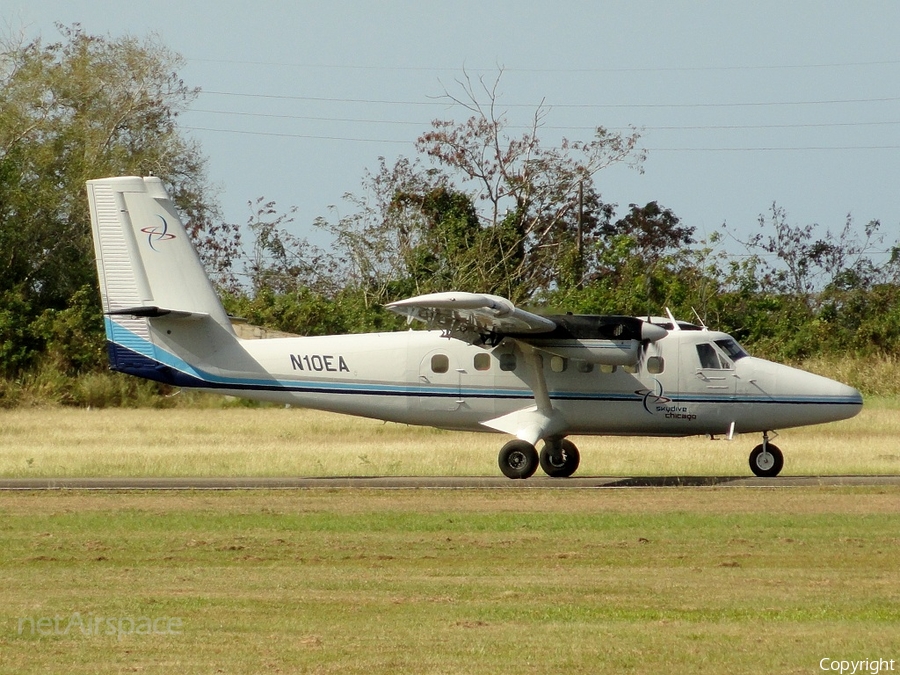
{"x": 432, "y": 482}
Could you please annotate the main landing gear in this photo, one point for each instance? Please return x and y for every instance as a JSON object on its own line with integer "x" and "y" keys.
{"x": 559, "y": 458}
{"x": 766, "y": 460}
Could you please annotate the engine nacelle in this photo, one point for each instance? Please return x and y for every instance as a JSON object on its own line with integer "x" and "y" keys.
{"x": 604, "y": 340}
{"x": 602, "y": 352}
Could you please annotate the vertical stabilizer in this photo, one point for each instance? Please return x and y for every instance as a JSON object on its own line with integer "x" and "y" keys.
{"x": 145, "y": 259}
{"x": 150, "y": 275}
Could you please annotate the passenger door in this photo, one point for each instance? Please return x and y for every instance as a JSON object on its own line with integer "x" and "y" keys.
{"x": 440, "y": 382}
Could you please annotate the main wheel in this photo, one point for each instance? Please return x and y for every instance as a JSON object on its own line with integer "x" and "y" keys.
{"x": 518, "y": 459}
{"x": 560, "y": 459}
{"x": 766, "y": 461}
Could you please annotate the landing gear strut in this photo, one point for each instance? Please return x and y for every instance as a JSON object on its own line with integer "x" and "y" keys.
{"x": 766, "y": 460}
{"x": 559, "y": 459}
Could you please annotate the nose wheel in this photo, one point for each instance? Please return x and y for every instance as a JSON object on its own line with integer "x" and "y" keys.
{"x": 766, "y": 460}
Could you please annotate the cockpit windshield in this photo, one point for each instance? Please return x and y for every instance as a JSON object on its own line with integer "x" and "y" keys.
{"x": 732, "y": 349}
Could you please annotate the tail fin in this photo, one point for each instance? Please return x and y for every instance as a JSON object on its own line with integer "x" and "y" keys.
{"x": 151, "y": 280}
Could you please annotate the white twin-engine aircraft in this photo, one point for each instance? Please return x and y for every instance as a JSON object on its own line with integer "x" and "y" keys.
{"x": 486, "y": 365}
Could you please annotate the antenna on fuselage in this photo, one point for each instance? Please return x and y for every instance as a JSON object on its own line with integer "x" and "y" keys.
{"x": 702, "y": 325}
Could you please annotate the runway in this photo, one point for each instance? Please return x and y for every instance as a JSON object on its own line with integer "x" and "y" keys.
{"x": 440, "y": 482}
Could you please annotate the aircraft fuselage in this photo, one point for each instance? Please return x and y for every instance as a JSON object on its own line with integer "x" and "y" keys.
{"x": 683, "y": 384}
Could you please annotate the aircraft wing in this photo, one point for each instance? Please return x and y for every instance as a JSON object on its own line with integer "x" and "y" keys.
{"x": 472, "y": 317}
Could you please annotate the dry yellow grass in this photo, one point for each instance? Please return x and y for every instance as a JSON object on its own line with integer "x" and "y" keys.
{"x": 873, "y": 375}
{"x": 55, "y": 442}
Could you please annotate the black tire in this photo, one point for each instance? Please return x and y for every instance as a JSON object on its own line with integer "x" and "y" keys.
{"x": 560, "y": 459}
{"x": 518, "y": 459}
{"x": 766, "y": 461}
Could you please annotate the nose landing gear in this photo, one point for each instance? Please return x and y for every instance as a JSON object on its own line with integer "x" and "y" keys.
{"x": 766, "y": 460}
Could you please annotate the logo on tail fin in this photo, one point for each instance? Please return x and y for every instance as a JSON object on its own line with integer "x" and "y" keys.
{"x": 157, "y": 234}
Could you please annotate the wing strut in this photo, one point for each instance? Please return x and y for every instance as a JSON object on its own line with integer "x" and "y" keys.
{"x": 535, "y": 363}
{"x": 536, "y": 422}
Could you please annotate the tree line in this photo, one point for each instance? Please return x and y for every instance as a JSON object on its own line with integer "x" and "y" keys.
{"x": 476, "y": 208}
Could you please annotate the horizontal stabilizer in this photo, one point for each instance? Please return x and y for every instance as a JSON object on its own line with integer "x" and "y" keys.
{"x": 152, "y": 312}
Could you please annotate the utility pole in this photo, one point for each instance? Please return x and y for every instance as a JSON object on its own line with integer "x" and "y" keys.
{"x": 579, "y": 263}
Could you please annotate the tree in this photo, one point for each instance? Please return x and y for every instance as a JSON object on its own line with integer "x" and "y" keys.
{"x": 542, "y": 202}
{"x": 374, "y": 243}
{"x": 478, "y": 209}
{"x": 639, "y": 264}
{"x": 81, "y": 108}
{"x": 280, "y": 262}
{"x": 654, "y": 230}
{"x": 801, "y": 291}
{"x": 797, "y": 260}
{"x": 446, "y": 253}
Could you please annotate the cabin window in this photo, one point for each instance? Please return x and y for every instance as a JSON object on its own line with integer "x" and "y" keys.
{"x": 632, "y": 368}
{"x": 709, "y": 357}
{"x": 482, "y": 361}
{"x": 585, "y": 366}
{"x": 507, "y": 362}
{"x": 655, "y": 365}
{"x": 440, "y": 363}
{"x": 734, "y": 351}
{"x": 607, "y": 369}
{"x": 558, "y": 364}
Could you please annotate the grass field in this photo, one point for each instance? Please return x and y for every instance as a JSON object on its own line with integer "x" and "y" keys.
{"x": 238, "y": 441}
{"x": 671, "y": 580}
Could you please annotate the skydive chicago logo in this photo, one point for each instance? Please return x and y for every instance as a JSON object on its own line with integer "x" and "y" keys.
{"x": 653, "y": 397}
{"x": 158, "y": 233}
{"x": 656, "y": 402}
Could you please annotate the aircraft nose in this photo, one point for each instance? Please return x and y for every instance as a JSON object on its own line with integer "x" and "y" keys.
{"x": 805, "y": 398}
{"x": 851, "y": 394}
{"x": 840, "y": 400}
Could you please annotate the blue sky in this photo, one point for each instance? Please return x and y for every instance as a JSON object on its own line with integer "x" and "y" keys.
{"x": 741, "y": 104}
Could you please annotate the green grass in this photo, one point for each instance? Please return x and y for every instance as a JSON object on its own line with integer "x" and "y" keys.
{"x": 543, "y": 581}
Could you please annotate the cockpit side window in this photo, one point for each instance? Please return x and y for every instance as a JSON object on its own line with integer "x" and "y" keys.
{"x": 734, "y": 351}
{"x": 709, "y": 357}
